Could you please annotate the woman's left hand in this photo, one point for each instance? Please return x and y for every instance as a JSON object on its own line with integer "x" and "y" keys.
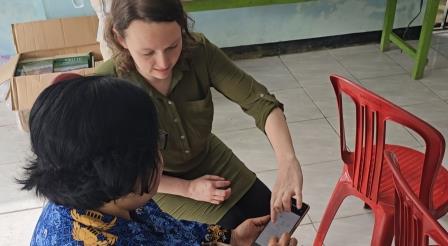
{"x": 288, "y": 184}
{"x": 248, "y": 231}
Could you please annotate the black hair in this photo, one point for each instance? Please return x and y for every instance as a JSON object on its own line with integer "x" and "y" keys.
{"x": 95, "y": 139}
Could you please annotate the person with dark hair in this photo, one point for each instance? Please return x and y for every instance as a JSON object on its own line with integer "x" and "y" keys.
{"x": 202, "y": 179}
{"x": 96, "y": 143}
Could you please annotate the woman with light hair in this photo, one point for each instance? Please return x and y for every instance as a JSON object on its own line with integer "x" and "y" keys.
{"x": 154, "y": 49}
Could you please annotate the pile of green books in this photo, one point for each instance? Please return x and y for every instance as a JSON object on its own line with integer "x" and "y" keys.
{"x": 61, "y": 63}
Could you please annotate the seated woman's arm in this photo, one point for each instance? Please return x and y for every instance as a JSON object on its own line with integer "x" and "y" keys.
{"x": 244, "y": 234}
{"x": 208, "y": 188}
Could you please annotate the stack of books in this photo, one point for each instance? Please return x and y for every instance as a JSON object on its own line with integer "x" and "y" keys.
{"x": 61, "y": 63}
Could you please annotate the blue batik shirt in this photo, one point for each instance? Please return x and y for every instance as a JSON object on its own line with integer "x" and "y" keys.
{"x": 60, "y": 225}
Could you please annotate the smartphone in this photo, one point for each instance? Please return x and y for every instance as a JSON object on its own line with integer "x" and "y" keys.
{"x": 286, "y": 222}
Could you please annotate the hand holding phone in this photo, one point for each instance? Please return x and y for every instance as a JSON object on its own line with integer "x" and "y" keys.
{"x": 286, "y": 222}
{"x": 284, "y": 240}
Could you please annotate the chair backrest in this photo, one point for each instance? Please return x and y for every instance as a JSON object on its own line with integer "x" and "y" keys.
{"x": 372, "y": 113}
{"x": 413, "y": 224}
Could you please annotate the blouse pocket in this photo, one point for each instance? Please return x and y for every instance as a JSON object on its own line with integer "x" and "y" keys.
{"x": 200, "y": 105}
{"x": 197, "y": 117}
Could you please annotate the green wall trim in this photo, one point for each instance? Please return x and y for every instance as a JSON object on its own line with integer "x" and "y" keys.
{"x": 202, "y": 5}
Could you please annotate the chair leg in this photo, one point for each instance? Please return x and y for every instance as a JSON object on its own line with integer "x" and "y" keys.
{"x": 424, "y": 42}
{"x": 389, "y": 16}
{"x": 445, "y": 16}
{"x": 339, "y": 194}
{"x": 383, "y": 230}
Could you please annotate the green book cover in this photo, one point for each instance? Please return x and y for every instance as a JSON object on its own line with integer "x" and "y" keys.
{"x": 61, "y": 63}
{"x": 72, "y": 62}
{"x": 33, "y": 67}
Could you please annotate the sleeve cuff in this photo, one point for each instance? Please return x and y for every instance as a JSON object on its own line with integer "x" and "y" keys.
{"x": 217, "y": 234}
{"x": 264, "y": 106}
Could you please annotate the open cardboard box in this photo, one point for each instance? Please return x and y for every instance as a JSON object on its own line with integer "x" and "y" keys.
{"x": 45, "y": 39}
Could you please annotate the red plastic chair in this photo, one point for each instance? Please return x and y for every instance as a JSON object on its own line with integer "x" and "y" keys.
{"x": 364, "y": 174}
{"x": 414, "y": 225}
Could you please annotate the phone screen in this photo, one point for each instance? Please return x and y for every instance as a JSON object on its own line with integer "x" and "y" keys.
{"x": 286, "y": 222}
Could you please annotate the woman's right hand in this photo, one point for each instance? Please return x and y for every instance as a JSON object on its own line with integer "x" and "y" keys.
{"x": 209, "y": 188}
{"x": 285, "y": 240}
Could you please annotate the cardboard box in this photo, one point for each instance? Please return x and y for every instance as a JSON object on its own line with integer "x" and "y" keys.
{"x": 41, "y": 39}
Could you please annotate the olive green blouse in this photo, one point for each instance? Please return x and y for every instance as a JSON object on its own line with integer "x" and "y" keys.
{"x": 186, "y": 113}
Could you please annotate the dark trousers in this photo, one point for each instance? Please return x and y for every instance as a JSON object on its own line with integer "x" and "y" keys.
{"x": 255, "y": 203}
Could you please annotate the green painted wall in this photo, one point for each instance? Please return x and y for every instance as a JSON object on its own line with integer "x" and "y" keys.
{"x": 203, "y": 5}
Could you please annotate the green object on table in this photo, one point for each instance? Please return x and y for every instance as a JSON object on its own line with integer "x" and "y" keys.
{"x": 202, "y": 5}
{"x": 420, "y": 54}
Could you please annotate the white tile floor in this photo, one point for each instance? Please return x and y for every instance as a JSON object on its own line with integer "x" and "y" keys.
{"x": 301, "y": 82}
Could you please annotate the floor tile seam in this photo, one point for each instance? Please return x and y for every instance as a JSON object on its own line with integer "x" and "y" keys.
{"x": 315, "y": 230}
{"x": 20, "y": 210}
{"x": 249, "y": 128}
{"x": 266, "y": 171}
{"x": 355, "y": 53}
{"x": 345, "y": 68}
{"x": 366, "y": 52}
{"x": 324, "y": 118}
{"x": 306, "y": 92}
{"x": 322, "y": 99}
{"x": 359, "y": 78}
{"x": 443, "y": 54}
{"x": 436, "y": 69}
{"x": 303, "y": 53}
{"x": 413, "y": 137}
{"x": 438, "y": 41}
{"x": 385, "y": 76}
{"x": 325, "y": 162}
{"x": 335, "y": 130}
{"x": 306, "y": 223}
{"x": 392, "y": 75}
{"x": 419, "y": 103}
{"x": 429, "y": 88}
{"x": 425, "y": 102}
{"x": 306, "y": 120}
{"x": 312, "y": 223}
{"x": 342, "y": 217}
{"x": 440, "y": 52}
{"x": 412, "y": 67}
{"x": 315, "y": 163}
{"x": 304, "y": 164}
{"x": 419, "y": 145}
{"x": 289, "y": 71}
{"x": 309, "y": 164}
{"x": 401, "y": 52}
